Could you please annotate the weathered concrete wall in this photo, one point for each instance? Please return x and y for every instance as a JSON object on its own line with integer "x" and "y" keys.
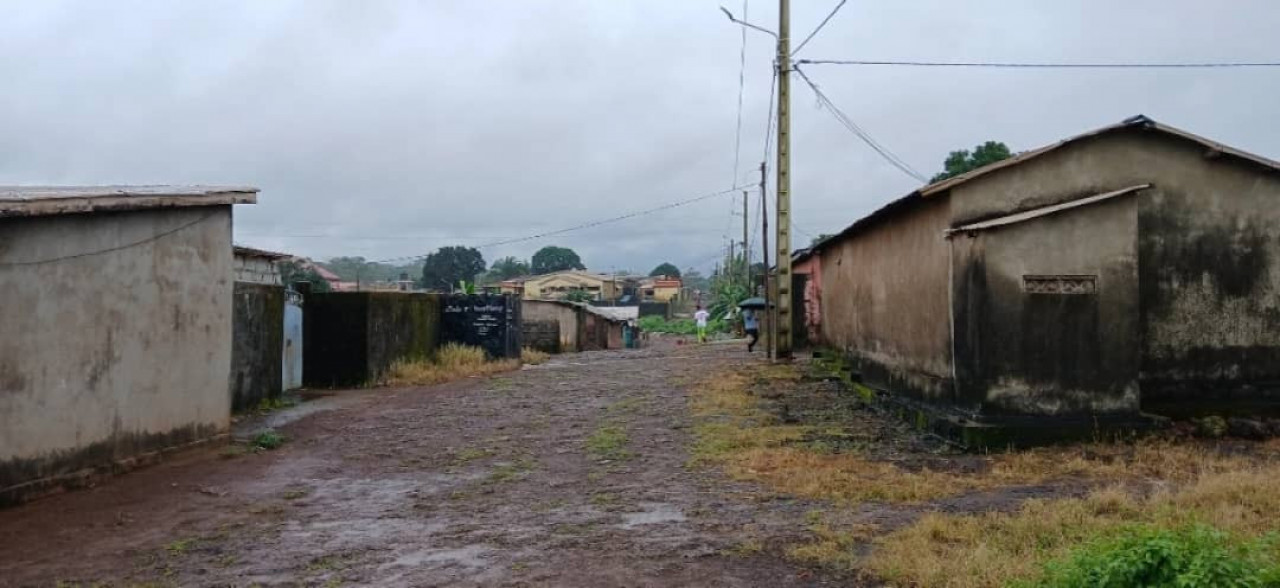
{"x": 256, "y": 270}
{"x": 542, "y": 335}
{"x": 1208, "y": 250}
{"x": 569, "y": 317}
{"x": 351, "y": 338}
{"x": 885, "y": 300}
{"x": 401, "y": 326}
{"x": 1209, "y": 268}
{"x": 257, "y": 343}
{"x": 1025, "y": 346}
{"x": 108, "y": 358}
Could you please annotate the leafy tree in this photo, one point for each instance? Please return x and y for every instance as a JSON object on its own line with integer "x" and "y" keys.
{"x": 352, "y": 269}
{"x": 666, "y": 269}
{"x": 961, "y": 161}
{"x": 292, "y": 272}
{"x": 507, "y": 268}
{"x": 578, "y": 296}
{"x": 820, "y": 237}
{"x": 554, "y": 259}
{"x": 694, "y": 280}
{"x": 448, "y": 266}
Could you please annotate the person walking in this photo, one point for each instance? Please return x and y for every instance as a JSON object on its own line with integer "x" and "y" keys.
{"x": 751, "y": 324}
{"x": 701, "y": 317}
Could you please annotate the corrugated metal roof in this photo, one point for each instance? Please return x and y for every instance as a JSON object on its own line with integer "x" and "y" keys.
{"x": 251, "y": 252}
{"x": 1045, "y": 210}
{"x": 53, "y": 200}
{"x": 616, "y": 313}
{"x": 1139, "y": 121}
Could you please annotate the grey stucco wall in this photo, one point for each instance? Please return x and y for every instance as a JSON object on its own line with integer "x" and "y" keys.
{"x": 885, "y": 300}
{"x": 109, "y": 356}
{"x": 1033, "y": 353}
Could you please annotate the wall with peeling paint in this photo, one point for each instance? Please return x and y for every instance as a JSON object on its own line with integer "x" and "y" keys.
{"x": 110, "y": 356}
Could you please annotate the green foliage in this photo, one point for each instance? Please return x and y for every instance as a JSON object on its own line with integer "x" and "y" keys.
{"x": 579, "y": 296}
{"x": 683, "y": 326}
{"x": 554, "y": 259}
{"x": 352, "y": 269}
{"x": 449, "y": 265}
{"x": 961, "y": 161}
{"x": 465, "y": 287}
{"x": 1190, "y": 557}
{"x": 666, "y": 269}
{"x": 508, "y": 267}
{"x": 821, "y": 237}
{"x": 268, "y": 439}
{"x": 292, "y": 272}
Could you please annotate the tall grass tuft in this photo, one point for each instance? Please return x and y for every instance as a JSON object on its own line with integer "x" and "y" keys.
{"x": 452, "y": 362}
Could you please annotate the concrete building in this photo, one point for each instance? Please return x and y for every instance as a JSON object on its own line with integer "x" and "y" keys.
{"x": 557, "y": 285}
{"x": 659, "y": 288}
{"x": 1131, "y": 269}
{"x": 116, "y": 326}
{"x": 257, "y": 266}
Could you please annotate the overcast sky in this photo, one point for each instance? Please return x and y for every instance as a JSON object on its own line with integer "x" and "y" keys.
{"x": 385, "y": 129}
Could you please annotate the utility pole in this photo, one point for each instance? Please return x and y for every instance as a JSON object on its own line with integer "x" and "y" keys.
{"x": 783, "y": 275}
{"x": 728, "y": 268}
{"x": 764, "y": 248}
{"x": 746, "y": 249}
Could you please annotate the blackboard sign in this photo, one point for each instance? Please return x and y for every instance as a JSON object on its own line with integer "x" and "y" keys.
{"x": 488, "y": 321}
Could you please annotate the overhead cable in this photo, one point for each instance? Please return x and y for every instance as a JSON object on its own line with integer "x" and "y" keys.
{"x": 1042, "y": 65}
{"x": 819, "y": 28}
{"x": 859, "y": 132}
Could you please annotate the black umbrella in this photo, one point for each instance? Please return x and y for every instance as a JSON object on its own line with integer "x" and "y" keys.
{"x": 755, "y": 302}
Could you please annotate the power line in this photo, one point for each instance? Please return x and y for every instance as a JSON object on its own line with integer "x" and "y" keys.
{"x": 742, "y": 77}
{"x": 152, "y": 238}
{"x": 820, "y": 25}
{"x": 861, "y": 133}
{"x": 588, "y": 225}
{"x": 998, "y": 64}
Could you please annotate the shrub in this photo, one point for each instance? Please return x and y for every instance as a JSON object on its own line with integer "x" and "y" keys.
{"x": 680, "y": 326}
{"x": 1188, "y": 557}
{"x": 268, "y": 440}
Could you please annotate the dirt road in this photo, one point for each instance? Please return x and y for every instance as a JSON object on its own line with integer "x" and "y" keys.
{"x": 572, "y": 473}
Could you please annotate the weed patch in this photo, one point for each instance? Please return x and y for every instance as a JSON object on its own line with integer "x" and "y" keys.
{"x": 609, "y": 442}
{"x": 452, "y": 362}
{"x": 533, "y": 356}
{"x": 267, "y": 440}
{"x": 755, "y": 423}
{"x": 996, "y": 549}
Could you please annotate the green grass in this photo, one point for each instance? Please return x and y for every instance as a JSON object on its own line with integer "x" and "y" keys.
{"x": 268, "y": 440}
{"x": 609, "y": 442}
{"x": 679, "y": 326}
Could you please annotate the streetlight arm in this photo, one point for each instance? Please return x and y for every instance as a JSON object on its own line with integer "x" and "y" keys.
{"x": 747, "y": 24}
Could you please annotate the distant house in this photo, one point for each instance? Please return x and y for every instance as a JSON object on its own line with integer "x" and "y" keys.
{"x": 559, "y": 284}
{"x": 1130, "y": 269}
{"x": 117, "y": 324}
{"x": 257, "y": 266}
{"x": 336, "y": 283}
{"x": 659, "y": 288}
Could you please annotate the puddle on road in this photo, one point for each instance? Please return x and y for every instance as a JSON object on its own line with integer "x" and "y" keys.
{"x": 470, "y": 556}
{"x": 654, "y": 513}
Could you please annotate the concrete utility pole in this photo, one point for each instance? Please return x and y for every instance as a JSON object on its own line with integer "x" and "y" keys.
{"x": 783, "y": 275}
{"x": 746, "y": 249}
{"x": 764, "y": 248}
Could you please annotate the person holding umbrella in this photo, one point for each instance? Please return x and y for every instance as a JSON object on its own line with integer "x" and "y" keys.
{"x": 751, "y": 322}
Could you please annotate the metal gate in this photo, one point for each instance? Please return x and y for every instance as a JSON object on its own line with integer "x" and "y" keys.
{"x": 292, "y": 373}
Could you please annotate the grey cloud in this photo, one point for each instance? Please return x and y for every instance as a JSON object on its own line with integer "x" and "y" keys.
{"x": 396, "y": 127}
